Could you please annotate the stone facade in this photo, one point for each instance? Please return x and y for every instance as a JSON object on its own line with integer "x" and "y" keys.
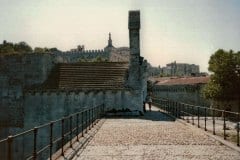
{"x": 16, "y": 74}
{"x": 109, "y": 53}
{"x": 181, "y": 93}
{"x": 180, "y": 69}
{"x": 175, "y": 69}
{"x": 187, "y": 90}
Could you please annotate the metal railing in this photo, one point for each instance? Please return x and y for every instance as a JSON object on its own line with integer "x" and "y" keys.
{"x": 68, "y": 129}
{"x": 219, "y": 122}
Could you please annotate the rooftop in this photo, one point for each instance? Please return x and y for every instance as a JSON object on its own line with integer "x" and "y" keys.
{"x": 181, "y": 80}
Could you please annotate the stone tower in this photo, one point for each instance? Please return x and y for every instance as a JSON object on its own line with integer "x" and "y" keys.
{"x": 110, "y": 41}
{"x": 134, "y": 27}
{"x": 134, "y": 67}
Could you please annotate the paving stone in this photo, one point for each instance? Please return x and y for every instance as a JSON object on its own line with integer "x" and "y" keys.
{"x": 153, "y": 136}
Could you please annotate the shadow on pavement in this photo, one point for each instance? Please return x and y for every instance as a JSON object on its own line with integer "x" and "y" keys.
{"x": 154, "y": 115}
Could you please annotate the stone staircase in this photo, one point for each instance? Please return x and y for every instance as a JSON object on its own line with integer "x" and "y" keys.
{"x": 92, "y": 75}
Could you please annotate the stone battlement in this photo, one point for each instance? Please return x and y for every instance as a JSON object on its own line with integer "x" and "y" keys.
{"x": 85, "y": 52}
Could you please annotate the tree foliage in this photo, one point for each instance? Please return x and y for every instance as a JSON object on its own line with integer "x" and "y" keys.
{"x": 224, "y": 83}
{"x": 8, "y": 48}
{"x": 22, "y": 47}
{"x": 45, "y": 50}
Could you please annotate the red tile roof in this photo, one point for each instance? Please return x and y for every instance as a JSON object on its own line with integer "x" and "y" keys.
{"x": 181, "y": 80}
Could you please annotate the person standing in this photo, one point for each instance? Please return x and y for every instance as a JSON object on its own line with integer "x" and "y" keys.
{"x": 149, "y": 101}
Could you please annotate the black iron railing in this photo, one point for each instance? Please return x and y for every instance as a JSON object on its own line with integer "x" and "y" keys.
{"x": 61, "y": 132}
{"x": 227, "y": 122}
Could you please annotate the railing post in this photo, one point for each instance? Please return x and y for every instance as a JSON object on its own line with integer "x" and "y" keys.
{"x": 238, "y": 126}
{"x": 96, "y": 115}
{"x": 176, "y": 109}
{"x": 62, "y": 144}
{"x": 99, "y": 111}
{"x": 183, "y": 111}
{"x": 168, "y": 106}
{"x": 86, "y": 121}
{"x": 9, "y": 141}
{"x": 51, "y": 140}
{"x": 213, "y": 117}
{"x": 89, "y": 119}
{"x": 187, "y": 114}
{"x": 77, "y": 125}
{"x": 103, "y": 106}
{"x": 192, "y": 115}
{"x": 205, "y": 119}
{"x": 165, "y": 106}
{"x": 198, "y": 116}
{"x": 224, "y": 124}
{"x": 180, "y": 110}
{"x": 92, "y": 116}
{"x": 70, "y": 131}
{"x": 82, "y": 124}
{"x": 35, "y": 131}
{"x": 173, "y": 108}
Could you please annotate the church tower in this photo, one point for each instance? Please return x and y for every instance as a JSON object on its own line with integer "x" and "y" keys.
{"x": 109, "y": 40}
{"x": 109, "y": 46}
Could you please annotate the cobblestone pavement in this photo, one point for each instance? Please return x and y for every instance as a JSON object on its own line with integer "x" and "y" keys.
{"x": 153, "y": 136}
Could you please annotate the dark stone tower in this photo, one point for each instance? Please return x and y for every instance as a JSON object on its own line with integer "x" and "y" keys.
{"x": 134, "y": 68}
{"x": 134, "y": 27}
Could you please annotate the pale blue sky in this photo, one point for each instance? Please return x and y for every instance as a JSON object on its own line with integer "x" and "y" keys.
{"x": 182, "y": 30}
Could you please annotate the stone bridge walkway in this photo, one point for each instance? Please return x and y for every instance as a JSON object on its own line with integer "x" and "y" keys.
{"x": 153, "y": 136}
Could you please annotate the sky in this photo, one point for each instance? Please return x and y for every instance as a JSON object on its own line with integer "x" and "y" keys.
{"x": 185, "y": 31}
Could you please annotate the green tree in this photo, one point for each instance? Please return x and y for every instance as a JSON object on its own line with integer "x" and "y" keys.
{"x": 39, "y": 50}
{"x": 22, "y": 47}
{"x": 53, "y": 50}
{"x": 224, "y": 83}
{"x": 7, "y": 48}
{"x": 45, "y": 50}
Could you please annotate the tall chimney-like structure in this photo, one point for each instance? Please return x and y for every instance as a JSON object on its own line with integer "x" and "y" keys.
{"x": 134, "y": 77}
{"x": 134, "y": 27}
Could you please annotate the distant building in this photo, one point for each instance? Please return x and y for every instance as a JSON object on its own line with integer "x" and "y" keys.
{"x": 175, "y": 69}
{"x": 181, "y": 89}
{"x": 153, "y": 71}
{"x": 180, "y": 69}
{"x": 109, "y": 53}
{"x": 80, "y": 48}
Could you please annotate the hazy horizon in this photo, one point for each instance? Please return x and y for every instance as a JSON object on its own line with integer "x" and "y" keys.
{"x": 187, "y": 31}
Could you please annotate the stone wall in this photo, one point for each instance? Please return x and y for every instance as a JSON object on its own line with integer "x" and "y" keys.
{"x": 76, "y": 56}
{"x": 40, "y": 107}
{"x": 182, "y": 93}
{"x": 18, "y": 72}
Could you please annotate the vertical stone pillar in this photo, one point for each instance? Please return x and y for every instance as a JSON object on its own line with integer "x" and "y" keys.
{"x": 134, "y": 27}
{"x": 134, "y": 68}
